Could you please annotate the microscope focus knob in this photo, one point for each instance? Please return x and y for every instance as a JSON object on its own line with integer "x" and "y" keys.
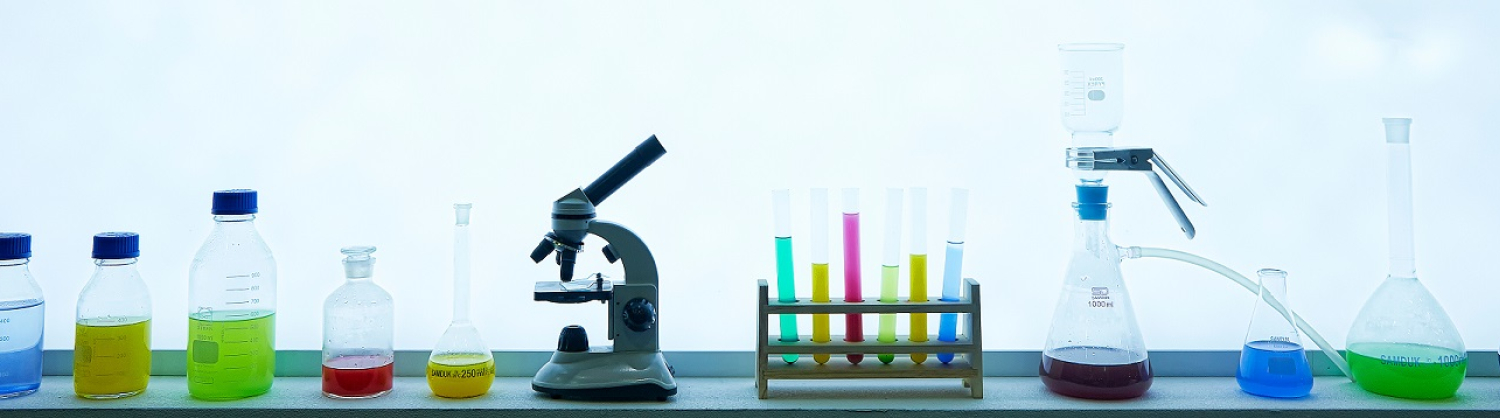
{"x": 640, "y": 315}
{"x": 573, "y": 340}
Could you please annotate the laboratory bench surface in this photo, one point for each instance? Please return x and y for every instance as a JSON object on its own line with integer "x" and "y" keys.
{"x": 703, "y": 396}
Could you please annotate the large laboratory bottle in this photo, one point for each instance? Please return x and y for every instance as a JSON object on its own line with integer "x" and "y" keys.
{"x": 358, "y": 333}
{"x": 1402, "y": 343}
{"x": 20, "y": 319}
{"x": 231, "y": 351}
{"x": 112, "y": 340}
{"x": 1094, "y": 348}
{"x": 1272, "y": 363}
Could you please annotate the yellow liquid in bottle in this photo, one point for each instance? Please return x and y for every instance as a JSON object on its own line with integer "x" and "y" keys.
{"x": 460, "y": 375}
{"x": 820, "y": 321}
{"x": 918, "y": 294}
{"x": 111, "y": 357}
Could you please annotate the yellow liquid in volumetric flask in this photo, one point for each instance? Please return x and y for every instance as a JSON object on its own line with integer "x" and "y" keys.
{"x": 460, "y": 375}
{"x": 918, "y": 294}
{"x": 820, "y": 321}
{"x": 230, "y": 357}
{"x": 111, "y": 357}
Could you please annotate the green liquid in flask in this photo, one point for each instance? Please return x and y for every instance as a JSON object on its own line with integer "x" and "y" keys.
{"x": 1411, "y": 371}
{"x": 231, "y": 358}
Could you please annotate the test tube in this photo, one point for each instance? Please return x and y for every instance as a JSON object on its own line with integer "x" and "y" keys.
{"x": 890, "y": 269}
{"x": 953, "y": 265}
{"x": 819, "y": 221}
{"x": 786, "y": 291}
{"x": 918, "y": 267}
{"x": 854, "y": 324}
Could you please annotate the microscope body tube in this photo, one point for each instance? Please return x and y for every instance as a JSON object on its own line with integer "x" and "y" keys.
{"x": 890, "y": 268}
{"x": 854, "y": 324}
{"x": 819, "y": 220}
{"x": 786, "y": 290}
{"x": 953, "y": 263}
{"x": 918, "y": 267}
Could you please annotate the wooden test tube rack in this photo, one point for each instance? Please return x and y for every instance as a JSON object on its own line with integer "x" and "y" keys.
{"x": 967, "y": 364}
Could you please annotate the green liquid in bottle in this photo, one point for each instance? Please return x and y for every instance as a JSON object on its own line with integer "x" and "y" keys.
{"x": 1411, "y": 371}
{"x": 231, "y": 358}
{"x": 786, "y": 291}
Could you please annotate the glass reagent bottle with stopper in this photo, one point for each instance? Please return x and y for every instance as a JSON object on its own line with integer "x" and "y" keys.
{"x": 358, "y": 333}
{"x": 1403, "y": 344}
{"x": 112, "y": 342}
{"x": 1273, "y": 363}
{"x": 1094, "y": 348}
{"x": 461, "y": 365}
{"x": 21, "y": 318}
{"x": 231, "y": 351}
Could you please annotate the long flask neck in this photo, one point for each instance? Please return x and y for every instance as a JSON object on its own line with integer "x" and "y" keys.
{"x": 1398, "y": 196}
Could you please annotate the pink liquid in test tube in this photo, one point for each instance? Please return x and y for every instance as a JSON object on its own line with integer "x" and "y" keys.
{"x": 854, "y": 328}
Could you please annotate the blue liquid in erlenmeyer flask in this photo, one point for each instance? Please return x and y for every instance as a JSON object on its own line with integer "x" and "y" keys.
{"x": 1276, "y": 369}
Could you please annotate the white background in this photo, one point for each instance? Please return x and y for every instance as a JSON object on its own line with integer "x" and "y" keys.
{"x": 361, "y": 122}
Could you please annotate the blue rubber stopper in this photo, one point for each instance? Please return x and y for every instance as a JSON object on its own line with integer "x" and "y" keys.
{"x": 1093, "y": 202}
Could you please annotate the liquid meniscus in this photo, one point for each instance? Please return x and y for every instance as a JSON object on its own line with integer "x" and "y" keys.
{"x": 1413, "y": 371}
{"x": 111, "y": 357}
{"x": 1276, "y": 369}
{"x": 231, "y": 354}
{"x": 460, "y": 375}
{"x": 1096, "y": 372}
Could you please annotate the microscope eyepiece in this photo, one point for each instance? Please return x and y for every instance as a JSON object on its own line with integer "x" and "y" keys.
{"x": 640, "y": 158}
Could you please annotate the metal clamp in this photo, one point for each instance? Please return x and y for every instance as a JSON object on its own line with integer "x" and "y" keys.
{"x": 1138, "y": 159}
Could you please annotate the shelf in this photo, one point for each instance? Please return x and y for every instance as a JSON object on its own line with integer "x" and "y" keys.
{"x": 869, "y": 306}
{"x": 1170, "y": 397}
{"x": 870, "y": 368}
{"x": 805, "y": 345}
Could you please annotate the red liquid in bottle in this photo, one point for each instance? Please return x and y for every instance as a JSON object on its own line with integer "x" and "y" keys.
{"x": 357, "y": 376}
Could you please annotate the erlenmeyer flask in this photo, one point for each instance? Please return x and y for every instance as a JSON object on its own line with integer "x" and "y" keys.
{"x": 1272, "y": 363}
{"x": 1402, "y": 343}
{"x": 1094, "y": 349}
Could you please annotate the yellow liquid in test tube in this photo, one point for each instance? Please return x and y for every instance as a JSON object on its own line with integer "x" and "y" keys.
{"x": 820, "y": 321}
{"x": 111, "y": 360}
{"x": 460, "y": 375}
{"x": 919, "y": 294}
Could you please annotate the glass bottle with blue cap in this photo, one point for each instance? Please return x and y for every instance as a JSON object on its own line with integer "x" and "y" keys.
{"x": 232, "y": 305}
{"x": 21, "y": 308}
{"x": 112, "y": 342}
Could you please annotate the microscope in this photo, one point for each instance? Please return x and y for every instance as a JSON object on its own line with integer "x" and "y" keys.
{"x": 634, "y": 367}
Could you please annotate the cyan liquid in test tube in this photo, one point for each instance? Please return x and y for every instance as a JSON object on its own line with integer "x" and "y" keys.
{"x": 890, "y": 269}
{"x": 786, "y": 288}
{"x": 953, "y": 265}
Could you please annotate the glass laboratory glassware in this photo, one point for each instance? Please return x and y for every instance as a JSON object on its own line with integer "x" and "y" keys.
{"x": 21, "y": 308}
{"x": 461, "y": 365}
{"x": 112, "y": 342}
{"x": 854, "y": 324}
{"x": 890, "y": 269}
{"x": 786, "y": 276}
{"x": 953, "y": 266}
{"x": 1094, "y": 348}
{"x": 358, "y": 334}
{"x": 231, "y": 350}
{"x": 1272, "y": 364}
{"x": 818, "y": 215}
{"x": 918, "y": 268}
{"x": 1403, "y": 344}
{"x": 1093, "y": 99}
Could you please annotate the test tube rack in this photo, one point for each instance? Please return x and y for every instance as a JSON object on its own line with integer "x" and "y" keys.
{"x": 967, "y": 364}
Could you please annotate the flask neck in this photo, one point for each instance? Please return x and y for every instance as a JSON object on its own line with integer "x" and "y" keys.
{"x": 115, "y": 263}
{"x": 234, "y": 222}
{"x": 15, "y": 262}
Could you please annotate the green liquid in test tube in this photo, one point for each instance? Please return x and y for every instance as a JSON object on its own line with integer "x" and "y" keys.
{"x": 786, "y": 288}
{"x": 890, "y": 269}
{"x": 819, "y": 216}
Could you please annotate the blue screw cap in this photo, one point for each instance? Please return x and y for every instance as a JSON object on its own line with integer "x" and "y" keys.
{"x": 117, "y": 245}
{"x": 1093, "y": 202}
{"x": 15, "y": 245}
{"x": 235, "y": 202}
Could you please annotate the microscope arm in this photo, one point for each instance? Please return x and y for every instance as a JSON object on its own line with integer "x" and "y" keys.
{"x": 640, "y": 266}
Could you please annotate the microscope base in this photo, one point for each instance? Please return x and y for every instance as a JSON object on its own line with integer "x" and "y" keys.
{"x": 601, "y": 373}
